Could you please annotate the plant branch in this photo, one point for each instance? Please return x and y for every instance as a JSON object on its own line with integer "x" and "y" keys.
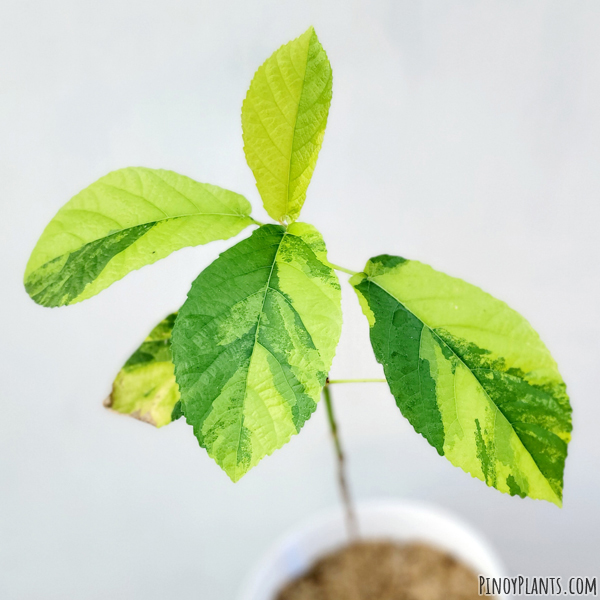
{"x": 259, "y": 223}
{"x": 351, "y": 523}
{"x": 357, "y": 380}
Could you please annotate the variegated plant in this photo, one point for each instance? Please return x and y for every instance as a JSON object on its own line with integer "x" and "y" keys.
{"x": 246, "y": 358}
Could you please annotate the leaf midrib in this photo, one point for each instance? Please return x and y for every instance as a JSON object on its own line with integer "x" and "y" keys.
{"x": 185, "y": 216}
{"x": 289, "y": 170}
{"x": 256, "y": 342}
{"x": 498, "y": 409}
{"x": 157, "y": 221}
{"x": 267, "y": 287}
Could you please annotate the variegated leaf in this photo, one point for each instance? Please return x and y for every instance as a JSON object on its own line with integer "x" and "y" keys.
{"x": 254, "y": 342}
{"x": 145, "y": 387}
{"x": 127, "y": 219}
{"x": 470, "y": 374}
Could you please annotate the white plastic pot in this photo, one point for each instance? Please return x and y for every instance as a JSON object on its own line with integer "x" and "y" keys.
{"x": 391, "y": 520}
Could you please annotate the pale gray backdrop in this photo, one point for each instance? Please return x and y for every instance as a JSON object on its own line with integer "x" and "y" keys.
{"x": 464, "y": 134}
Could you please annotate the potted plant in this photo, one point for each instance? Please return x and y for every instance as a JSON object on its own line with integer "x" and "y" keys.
{"x": 246, "y": 359}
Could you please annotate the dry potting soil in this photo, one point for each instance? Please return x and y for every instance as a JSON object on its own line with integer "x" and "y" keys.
{"x": 385, "y": 571}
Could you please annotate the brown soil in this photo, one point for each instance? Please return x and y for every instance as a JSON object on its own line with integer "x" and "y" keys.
{"x": 385, "y": 571}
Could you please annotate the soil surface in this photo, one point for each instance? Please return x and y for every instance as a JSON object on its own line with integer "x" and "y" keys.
{"x": 385, "y": 571}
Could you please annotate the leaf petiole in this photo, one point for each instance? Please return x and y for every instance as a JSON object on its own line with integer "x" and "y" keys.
{"x": 356, "y": 381}
{"x": 338, "y": 268}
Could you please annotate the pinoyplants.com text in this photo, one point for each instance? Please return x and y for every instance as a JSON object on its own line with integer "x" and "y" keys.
{"x": 534, "y": 586}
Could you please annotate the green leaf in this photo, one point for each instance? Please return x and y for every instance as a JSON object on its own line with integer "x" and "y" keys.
{"x": 254, "y": 342}
{"x": 177, "y": 412}
{"x": 470, "y": 374}
{"x": 125, "y": 220}
{"x": 283, "y": 119}
{"x": 145, "y": 387}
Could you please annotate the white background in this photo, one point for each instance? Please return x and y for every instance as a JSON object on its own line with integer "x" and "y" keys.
{"x": 463, "y": 134}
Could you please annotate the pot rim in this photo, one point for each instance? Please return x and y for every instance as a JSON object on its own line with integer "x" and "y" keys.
{"x": 254, "y": 584}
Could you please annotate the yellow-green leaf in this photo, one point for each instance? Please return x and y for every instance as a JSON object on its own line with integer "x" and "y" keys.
{"x": 283, "y": 118}
{"x": 145, "y": 388}
{"x": 127, "y": 219}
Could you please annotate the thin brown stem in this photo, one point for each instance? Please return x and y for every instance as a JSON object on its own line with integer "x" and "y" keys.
{"x": 351, "y": 522}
